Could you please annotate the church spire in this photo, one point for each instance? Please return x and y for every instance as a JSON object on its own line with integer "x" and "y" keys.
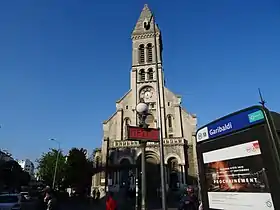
{"x": 146, "y": 18}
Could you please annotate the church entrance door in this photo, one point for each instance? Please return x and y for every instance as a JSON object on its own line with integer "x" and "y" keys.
{"x": 152, "y": 175}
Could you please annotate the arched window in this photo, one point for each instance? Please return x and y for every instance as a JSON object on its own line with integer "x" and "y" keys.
{"x": 127, "y": 121}
{"x": 141, "y": 52}
{"x": 150, "y": 74}
{"x": 169, "y": 121}
{"x": 142, "y": 75}
{"x": 173, "y": 164}
{"x": 149, "y": 53}
{"x": 150, "y": 121}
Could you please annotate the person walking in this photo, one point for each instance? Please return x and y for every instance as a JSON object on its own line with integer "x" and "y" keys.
{"x": 111, "y": 204}
{"x": 93, "y": 194}
{"x": 50, "y": 201}
{"x": 200, "y": 206}
{"x": 189, "y": 201}
{"x": 97, "y": 194}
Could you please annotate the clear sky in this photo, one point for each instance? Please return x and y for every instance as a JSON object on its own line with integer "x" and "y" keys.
{"x": 64, "y": 63}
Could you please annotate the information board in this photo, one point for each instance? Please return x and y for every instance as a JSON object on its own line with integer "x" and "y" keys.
{"x": 234, "y": 155}
{"x": 236, "y": 178}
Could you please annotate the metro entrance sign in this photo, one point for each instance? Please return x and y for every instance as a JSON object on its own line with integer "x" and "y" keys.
{"x": 231, "y": 123}
{"x": 238, "y": 161}
{"x": 142, "y": 134}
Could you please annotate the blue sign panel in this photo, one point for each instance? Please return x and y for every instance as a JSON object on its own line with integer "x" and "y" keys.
{"x": 231, "y": 123}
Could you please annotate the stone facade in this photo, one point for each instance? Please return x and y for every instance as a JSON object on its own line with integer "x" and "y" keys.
{"x": 178, "y": 125}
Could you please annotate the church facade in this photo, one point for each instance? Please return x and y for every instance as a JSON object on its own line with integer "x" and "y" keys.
{"x": 178, "y": 125}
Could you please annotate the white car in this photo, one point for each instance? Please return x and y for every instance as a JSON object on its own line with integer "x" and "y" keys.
{"x": 10, "y": 202}
{"x": 26, "y": 195}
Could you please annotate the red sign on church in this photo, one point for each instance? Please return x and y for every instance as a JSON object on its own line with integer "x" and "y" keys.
{"x": 142, "y": 134}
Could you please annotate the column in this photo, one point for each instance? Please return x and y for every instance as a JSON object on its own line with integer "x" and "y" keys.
{"x": 183, "y": 174}
{"x": 114, "y": 177}
{"x": 118, "y": 177}
{"x": 167, "y": 174}
{"x": 167, "y": 177}
{"x": 180, "y": 177}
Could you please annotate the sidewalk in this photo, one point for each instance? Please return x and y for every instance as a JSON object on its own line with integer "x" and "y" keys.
{"x": 124, "y": 203}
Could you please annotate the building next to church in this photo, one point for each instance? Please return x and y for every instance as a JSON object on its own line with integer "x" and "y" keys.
{"x": 27, "y": 166}
{"x": 178, "y": 125}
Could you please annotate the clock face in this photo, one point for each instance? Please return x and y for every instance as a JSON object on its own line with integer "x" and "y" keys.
{"x": 146, "y": 93}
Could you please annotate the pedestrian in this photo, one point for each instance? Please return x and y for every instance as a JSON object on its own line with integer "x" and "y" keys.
{"x": 200, "y": 206}
{"x": 189, "y": 201}
{"x": 93, "y": 194}
{"x": 50, "y": 200}
{"x": 111, "y": 204}
{"x": 97, "y": 194}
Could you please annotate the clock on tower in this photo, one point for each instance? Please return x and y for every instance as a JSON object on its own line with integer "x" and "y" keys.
{"x": 147, "y": 93}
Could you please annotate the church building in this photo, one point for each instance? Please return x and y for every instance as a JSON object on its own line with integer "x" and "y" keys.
{"x": 178, "y": 125}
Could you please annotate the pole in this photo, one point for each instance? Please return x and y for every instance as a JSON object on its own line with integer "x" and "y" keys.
{"x": 136, "y": 188}
{"x": 270, "y": 126}
{"x": 159, "y": 120}
{"x": 56, "y": 163}
{"x": 106, "y": 166}
{"x": 143, "y": 166}
{"x": 262, "y": 102}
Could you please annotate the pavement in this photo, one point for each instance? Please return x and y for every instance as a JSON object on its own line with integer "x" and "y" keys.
{"x": 124, "y": 203}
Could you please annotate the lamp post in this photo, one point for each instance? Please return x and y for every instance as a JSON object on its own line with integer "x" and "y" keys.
{"x": 107, "y": 166}
{"x": 136, "y": 188}
{"x": 56, "y": 162}
{"x": 159, "y": 116}
{"x": 142, "y": 111}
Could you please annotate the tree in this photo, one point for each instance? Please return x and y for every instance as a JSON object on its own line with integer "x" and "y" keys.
{"x": 79, "y": 170}
{"x": 46, "y": 167}
{"x": 12, "y": 175}
{"x": 25, "y": 178}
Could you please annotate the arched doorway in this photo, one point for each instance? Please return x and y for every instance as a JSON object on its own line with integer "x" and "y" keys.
{"x": 124, "y": 173}
{"x": 152, "y": 174}
{"x": 173, "y": 169}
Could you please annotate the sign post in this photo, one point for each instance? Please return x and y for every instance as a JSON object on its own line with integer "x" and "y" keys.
{"x": 235, "y": 154}
{"x": 143, "y": 135}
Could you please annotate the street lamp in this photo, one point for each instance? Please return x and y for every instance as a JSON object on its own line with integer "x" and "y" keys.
{"x": 56, "y": 162}
{"x": 107, "y": 165}
{"x": 159, "y": 116}
{"x": 142, "y": 111}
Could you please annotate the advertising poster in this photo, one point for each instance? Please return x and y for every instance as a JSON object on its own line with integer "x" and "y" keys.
{"x": 236, "y": 178}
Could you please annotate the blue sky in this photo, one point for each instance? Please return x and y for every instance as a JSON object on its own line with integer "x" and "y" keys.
{"x": 63, "y": 64}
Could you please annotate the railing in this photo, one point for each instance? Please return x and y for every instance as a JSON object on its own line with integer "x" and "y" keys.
{"x": 126, "y": 143}
{"x": 113, "y": 167}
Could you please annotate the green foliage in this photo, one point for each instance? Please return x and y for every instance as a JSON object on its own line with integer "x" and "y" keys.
{"x": 79, "y": 170}
{"x": 46, "y": 167}
{"x": 12, "y": 175}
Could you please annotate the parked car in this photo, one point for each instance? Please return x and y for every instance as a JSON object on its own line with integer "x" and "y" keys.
{"x": 10, "y": 201}
{"x": 26, "y": 195}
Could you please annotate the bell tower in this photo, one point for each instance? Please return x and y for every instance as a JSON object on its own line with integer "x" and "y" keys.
{"x": 146, "y": 44}
{"x": 143, "y": 49}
